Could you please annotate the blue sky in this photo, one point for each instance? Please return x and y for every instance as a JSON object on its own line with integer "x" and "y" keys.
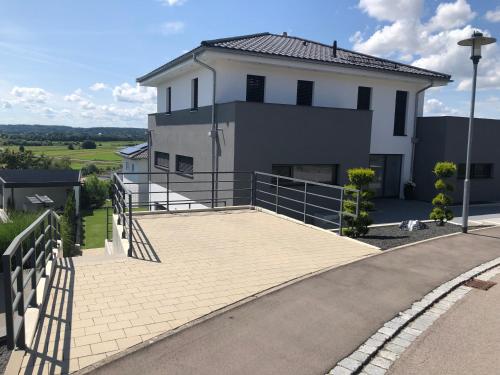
{"x": 75, "y": 63}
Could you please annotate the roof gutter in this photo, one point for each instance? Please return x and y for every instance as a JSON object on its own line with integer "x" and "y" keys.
{"x": 214, "y": 133}
{"x": 414, "y": 138}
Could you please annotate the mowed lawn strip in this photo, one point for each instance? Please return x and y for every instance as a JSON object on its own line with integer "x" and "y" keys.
{"x": 94, "y": 228}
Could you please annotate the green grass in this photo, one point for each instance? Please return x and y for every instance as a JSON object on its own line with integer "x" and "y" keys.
{"x": 94, "y": 228}
{"x": 103, "y": 156}
{"x": 18, "y": 221}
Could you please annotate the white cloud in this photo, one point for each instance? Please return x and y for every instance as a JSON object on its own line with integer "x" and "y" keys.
{"x": 432, "y": 44}
{"x": 172, "y": 27}
{"x": 49, "y": 112}
{"x": 4, "y": 104}
{"x": 134, "y": 94}
{"x": 30, "y": 94}
{"x": 173, "y": 2}
{"x": 98, "y": 86}
{"x": 493, "y": 15}
{"x": 435, "y": 107}
{"x": 76, "y": 96}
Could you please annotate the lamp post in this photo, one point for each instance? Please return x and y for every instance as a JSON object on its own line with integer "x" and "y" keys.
{"x": 475, "y": 42}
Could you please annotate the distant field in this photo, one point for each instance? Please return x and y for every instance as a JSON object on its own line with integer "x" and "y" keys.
{"x": 103, "y": 156}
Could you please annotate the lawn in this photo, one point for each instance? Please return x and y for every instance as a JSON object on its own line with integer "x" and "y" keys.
{"x": 103, "y": 156}
{"x": 94, "y": 228}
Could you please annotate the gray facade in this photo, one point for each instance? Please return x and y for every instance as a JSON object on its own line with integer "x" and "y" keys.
{"x": 445, "y": 139}
{"x": 256, "y": 136}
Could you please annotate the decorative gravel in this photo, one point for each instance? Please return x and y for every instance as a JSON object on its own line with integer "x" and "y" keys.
{"x": 387, "y": 237}
{"x": 4, "y": 356}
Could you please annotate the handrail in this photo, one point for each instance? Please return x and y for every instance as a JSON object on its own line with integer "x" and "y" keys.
{"x": 30, "y": 248}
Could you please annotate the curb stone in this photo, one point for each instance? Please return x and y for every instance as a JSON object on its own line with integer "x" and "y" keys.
{"x": 384, "y": 347}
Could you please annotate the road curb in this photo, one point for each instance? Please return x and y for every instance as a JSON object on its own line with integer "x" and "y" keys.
{"x": 381, "y": 350}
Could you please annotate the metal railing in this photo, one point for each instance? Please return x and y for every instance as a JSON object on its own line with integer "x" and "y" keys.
{"x": 312, "y": 202}
{"x": 24, "y": 265}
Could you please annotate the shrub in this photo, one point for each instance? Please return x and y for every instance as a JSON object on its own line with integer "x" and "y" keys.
{"x": 88, "y": 144}
{"x": 68, "y": 226}
{"x": 90, "y": 169}
{"x": 18, "y": 221}
{"x": 95, "y": 192}
{"x": 71, "y": 147}
{"x": 441, "y": 212}
{"x": 359, "y": 178}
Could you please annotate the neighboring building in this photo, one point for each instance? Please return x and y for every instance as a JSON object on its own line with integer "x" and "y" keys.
{"x": 445, "y": 139}
{"x": 289, "y": 106}
{"x": 135, "y": 168}
{"x": 35, "y": 189}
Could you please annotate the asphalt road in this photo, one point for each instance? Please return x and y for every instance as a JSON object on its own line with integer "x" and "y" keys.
{"x": 308, "y": 326}
{"x": 466, "y": 340}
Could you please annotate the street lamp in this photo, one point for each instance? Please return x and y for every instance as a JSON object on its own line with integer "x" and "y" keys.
{"x": 475, "y": 42}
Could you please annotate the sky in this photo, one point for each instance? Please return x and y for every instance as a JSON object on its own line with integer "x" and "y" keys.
{"x": 75, "y": 62}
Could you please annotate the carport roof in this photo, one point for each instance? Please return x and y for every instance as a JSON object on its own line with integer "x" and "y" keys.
{"x": 39, "y": 177}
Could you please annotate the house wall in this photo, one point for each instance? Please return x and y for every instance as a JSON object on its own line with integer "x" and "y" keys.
{"x": 57, "y": 194}
{"x": 334, "y": 89}
{"x": 136, "y": 183}
{"x": 445, "y": 139}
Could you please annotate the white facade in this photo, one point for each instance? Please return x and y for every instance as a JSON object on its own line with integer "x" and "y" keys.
{"x": 333, "y": 87}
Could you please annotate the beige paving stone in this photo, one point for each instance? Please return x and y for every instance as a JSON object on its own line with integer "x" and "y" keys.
{"x": 113, "y": 335}
{"x": 88, "y": 339}
{"x": 104, "y": 347}
{"x": 89, "y": 360}
{"x": 128, "y": 342}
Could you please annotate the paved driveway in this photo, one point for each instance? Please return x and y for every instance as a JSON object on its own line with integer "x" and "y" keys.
{"x": 307, "y": 327}
{"x": 185, "y": 266}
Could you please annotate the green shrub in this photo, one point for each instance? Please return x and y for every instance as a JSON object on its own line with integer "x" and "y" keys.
{"x": 359, "y": 178}
{"x": 68, "y": 226}
{"x": 95, "y": 192}
{"x": 88, "y": 144}
{"x": 441, "y": 212}
{"x": 18, "y": 221}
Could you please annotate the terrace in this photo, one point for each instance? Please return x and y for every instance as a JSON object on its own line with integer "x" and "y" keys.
{"x": 182, "y": 264}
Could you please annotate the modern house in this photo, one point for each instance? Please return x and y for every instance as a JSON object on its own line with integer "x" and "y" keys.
{"x": 134, "y": 164}
{"x": 36, "y": 189}
{"x": 290, "y": 106}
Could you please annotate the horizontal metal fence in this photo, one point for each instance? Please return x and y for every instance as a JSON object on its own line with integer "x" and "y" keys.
{"x": 24, "y": 265}
{"x": 308, "y": 201}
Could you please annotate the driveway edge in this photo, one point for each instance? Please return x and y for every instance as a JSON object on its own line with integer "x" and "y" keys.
{"x": 380, "y": 351}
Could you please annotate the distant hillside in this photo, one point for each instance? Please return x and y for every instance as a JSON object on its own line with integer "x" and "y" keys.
{"x": 29, "y": 134}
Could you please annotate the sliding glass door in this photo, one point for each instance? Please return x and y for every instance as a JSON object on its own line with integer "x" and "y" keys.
{"x": 387, "y": 175}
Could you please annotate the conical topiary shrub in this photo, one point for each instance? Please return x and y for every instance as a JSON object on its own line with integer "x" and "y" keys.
{"x": 441, "y": 212}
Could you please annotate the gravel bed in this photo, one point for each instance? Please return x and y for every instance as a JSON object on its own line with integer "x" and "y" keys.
{"x": 387, "y": 237}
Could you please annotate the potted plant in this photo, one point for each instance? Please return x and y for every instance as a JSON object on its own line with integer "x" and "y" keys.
{"x": 409, "y": 190}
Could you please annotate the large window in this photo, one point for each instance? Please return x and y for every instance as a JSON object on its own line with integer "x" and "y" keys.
{"x": 194, "y": 94}
{"x": 364, "y": 97}
{"x": 184, "y": 164}
{"x": 255, "y": 88}
{"x": 324, "y": 173}
{"x": 169, "y": 99}
{"x": 400, "y": 113}
{"x": 162, "y": 160}
{"x": 304, "y": 92}
{"x": 477, "y": 170}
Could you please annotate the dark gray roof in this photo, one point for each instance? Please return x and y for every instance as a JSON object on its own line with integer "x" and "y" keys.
{"x": 301, "y": 49}
{"x": 39, "y": 177}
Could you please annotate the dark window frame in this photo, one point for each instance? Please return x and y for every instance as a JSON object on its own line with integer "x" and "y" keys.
{"x": 178, "y": 158}
{"x": 169, "y": 100}
{"x": 473, "y": 172}
{"x": 194, "y": 94}
{"x": 162, "y": 166}
{"x": 362, "y": 105}
{"x": 305, "y": 93}
{"x": 400, "y": 113}
{"x": 335, "y": 172}
{"x": 255, "y": 88}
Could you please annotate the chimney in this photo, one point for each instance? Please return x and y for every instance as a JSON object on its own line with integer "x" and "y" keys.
{"x": 285, "y": 33}
{"x": 334, "y": 48}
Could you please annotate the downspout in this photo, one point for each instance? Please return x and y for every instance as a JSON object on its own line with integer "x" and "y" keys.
{"x": 150, "y": 144}
{"x": 214, "y": 133}
{"x": 414, "y": 138}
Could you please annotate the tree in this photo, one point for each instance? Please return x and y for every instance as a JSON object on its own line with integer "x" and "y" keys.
{"x": 21, "y": 148}
{"x": 441, "y": 212}
{"x": 62, "y": 163}
{"x": 90, "y": 169}
{"x": 71, "y": 147}
{"x": 359, "y": 179}
{"x": 68, "y": 226}
{"x": 88, "y": 144}
{"x": 95, "y": 192}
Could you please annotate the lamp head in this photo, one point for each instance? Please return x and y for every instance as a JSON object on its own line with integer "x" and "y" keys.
{"x": 475, "y": 42}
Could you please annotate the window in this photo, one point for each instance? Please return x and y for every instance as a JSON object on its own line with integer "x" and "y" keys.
{"x": 255, "y": 88}
{"x": 400, "y": 113}
{"x": 364, "y": 97}
{"x": 162, "y": 160}
{"x": 304, "y": 92}
{"x": 133, "y": 167}
{"x": 477, "y": 170}
{"x": 169, "y": 99}
{"x": 324, "y": 173}
{"x": 184, "y": 164}
{"x": 126, "y": 165}
{"x": 194, "y": 94}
